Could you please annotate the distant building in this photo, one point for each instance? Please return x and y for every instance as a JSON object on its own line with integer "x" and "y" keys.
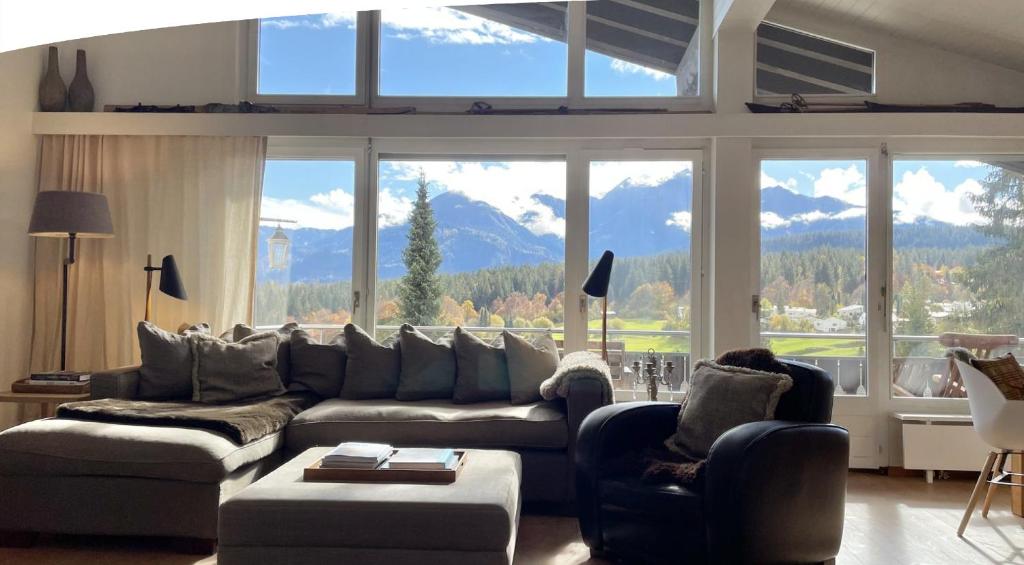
{"x": 851, "y": 312}
{"x": 830, "y": 325}
{"x": 797, "y": 312}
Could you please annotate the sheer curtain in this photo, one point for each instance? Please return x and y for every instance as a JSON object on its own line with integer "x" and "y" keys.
{"x": 196, "y": 198}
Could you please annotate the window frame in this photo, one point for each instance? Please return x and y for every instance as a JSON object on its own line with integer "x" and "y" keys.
{"x": 837, "y": 98}
{"x": 368, "y": 70}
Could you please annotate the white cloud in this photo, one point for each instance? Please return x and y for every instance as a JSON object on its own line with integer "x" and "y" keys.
{"x": 769, "y": 182}
{"x": 444, "y": 25}
{"x": 305, "y": 215}
{"x": 338, "y": 200}
{"x": 606, "y": 175}
{"x": 920, "y": 195}
{"x": 392, "y": 210}
{"x": 510, "y": 187}
{"x": 772, "y": 220}
{"x": 318, "y": 21}
{"x": 846, "y": 184}
{"x": 625, "y": 67}
{"x": 969, "y": 164}
{"x": 682, "y": 219}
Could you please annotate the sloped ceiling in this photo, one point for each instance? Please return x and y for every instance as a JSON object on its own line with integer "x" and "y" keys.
{"x": 988, "y": 30}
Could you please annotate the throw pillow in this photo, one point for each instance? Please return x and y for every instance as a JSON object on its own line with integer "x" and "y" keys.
{"x": 316, "y": 367}
{"x": 482, "y": 371}
{"x": 224, "y": 371}
{"x": 1005, "y": 372}
{"x": 166, "y": 371}
{"x": 242, "y": 331}
{"x": 372, "y": 370}
{"x": 722, "y": 397}
{"x": 428, "y": 367}
{"x": 529, "y": 364}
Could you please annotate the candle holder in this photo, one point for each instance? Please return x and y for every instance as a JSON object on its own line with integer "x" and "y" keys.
{"x": 655, "y": 371}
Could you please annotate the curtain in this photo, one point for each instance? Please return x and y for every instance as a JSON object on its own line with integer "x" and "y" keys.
{"x": 196, "y": 198}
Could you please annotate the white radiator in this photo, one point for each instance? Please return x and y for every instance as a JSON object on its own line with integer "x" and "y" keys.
{"x": 941, "y": 442}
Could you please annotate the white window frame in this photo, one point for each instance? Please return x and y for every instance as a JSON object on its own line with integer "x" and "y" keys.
{"x": 368, "y": 67}
{"x": 251, "y": 70}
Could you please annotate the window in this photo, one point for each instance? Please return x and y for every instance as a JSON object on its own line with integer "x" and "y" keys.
{"x": 307, "y": 55}
{"x": 791, "y": 61}
{"x": 813, "y": 243}
{"x": 493, "y": 50}
{"x": 479, "y": 244}
{"x": 642, "y": 211}
{"x": 642, "y": 48}
{"x": 304, "y": 269}
{"x": 957, "y": 267}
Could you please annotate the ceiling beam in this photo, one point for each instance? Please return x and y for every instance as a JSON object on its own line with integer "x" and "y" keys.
{"x": 739, "y": 14}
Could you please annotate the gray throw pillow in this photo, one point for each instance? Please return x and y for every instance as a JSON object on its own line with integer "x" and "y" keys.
{"x": 482, "y": 372}
{"x": 721, "y": 398}
{"x": 242, "y": 331}
{"x": 224, "y": 371}
{"x": 372, "y": 370}
{"x": 428, "y": 368}
{"x": 166, "y": 371}
{"x": 316, "y": 367}
{"x": 529, "y": 364}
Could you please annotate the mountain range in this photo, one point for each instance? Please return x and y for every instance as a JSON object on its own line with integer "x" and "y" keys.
{"x": 631, "y": 219}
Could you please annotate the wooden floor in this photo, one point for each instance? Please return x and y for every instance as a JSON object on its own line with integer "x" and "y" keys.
{"x": 889, "y": 520}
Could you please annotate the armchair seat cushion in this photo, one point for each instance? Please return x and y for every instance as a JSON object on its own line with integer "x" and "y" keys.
{"x": 65, "y": 447}
{"x": 659, "y": 500}
{"x": 431, "y": 423}
{"x": 642, "y": 516}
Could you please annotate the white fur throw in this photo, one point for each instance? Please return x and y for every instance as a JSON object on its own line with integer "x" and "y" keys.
{"x": 575, "y": 366}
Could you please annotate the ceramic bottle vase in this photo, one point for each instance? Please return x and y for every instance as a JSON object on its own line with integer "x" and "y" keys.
{"x": 81, "y": 97}
{"x": 53, "y": 95}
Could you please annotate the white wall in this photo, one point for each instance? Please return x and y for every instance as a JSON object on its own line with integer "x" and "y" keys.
{"x": 21, "y": 71}
{"x": 912, "y": 72}
{"x": 183, "y": 65}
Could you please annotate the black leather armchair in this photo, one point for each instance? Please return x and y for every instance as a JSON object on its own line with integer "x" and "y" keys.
{"x": 773, "y": 491}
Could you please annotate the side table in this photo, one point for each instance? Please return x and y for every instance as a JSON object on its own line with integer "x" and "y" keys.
{"x": 47, "y": 402}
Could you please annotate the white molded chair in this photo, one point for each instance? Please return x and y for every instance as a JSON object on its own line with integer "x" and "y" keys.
{"x": 1000, "y": 423}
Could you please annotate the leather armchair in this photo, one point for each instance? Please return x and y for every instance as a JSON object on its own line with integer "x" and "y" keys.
{"x": 773, "y": 491}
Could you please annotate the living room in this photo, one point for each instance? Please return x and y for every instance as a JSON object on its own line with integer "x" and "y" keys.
{"x": 575, "y": 282}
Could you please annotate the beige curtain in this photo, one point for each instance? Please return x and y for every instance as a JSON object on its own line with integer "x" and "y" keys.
{"x": 196, "y": 198}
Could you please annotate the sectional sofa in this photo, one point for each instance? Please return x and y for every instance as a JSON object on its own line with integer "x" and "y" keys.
{"x": 82, "y": 477}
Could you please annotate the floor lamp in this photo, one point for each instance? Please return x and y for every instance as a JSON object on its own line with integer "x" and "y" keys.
{"x": 74, "y": 215}
{"x": 170, "y": 281}
{"x": 596, "y": 285}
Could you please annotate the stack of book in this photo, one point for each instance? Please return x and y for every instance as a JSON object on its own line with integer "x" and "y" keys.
{"x": 59, "y": 378}
{"x": 356, "y": 455}
{"x": 422, "y": 458}
{"x": 54, "y": 382}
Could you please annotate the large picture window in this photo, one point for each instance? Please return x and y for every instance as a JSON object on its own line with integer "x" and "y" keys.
{"x": 958, "y": 267}
{"x": 479, "y": 244}
{"x": 304, "y": 250}
{"x": 307, "y": 55}
{"x": 813, "y": 268}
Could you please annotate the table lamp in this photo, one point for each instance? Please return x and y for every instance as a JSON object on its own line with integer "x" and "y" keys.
{"x": 170, "y": 281}
{"x": 596, "y": 285}
{"x": 74, "y": 215}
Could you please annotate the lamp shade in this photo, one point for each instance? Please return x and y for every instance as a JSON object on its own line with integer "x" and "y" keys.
{"x": 170, "y": 279}
{"x": 58, "y": 213}
{"x": 596, "y": 284}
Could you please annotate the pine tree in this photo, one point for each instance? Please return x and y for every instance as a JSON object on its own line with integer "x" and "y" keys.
{"x": 419, "y": 295}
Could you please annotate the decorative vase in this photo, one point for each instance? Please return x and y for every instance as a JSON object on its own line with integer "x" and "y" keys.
{"x": 81, "y": 97}
{"x": 53, "y": 95}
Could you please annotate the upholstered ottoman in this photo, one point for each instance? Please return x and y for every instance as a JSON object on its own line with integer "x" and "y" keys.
{"x": 282, "y": 519}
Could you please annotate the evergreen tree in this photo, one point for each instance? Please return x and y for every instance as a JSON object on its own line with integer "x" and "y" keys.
{"x": 420, "y": 291}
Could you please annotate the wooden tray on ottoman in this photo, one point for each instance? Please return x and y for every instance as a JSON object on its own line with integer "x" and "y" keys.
{"x": 314, "y": 473}
{"x": 26, "y": 385}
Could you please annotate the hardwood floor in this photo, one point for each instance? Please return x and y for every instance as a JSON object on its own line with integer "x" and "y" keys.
{"x": 888, "y": 520}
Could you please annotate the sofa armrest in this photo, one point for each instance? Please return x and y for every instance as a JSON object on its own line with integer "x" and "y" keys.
{"x": 775, "y": 492}
{"x": 122, "y": 382}
{"x": 606, "y": 434}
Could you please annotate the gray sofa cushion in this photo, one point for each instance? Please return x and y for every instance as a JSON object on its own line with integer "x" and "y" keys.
{"x": 242, "y": 331}
{"x": 431, "y": 423}
{"x": 75, "y": 447}
{"x": 372, "y": 369}
{"x": 166, "y": 371}
{"x": 225, "y": 371}
{"x": 428, "y": 367}
{"x": 482, "y": 369}
{"x": 529, "y": 364}
{"x": 317, "y": 367}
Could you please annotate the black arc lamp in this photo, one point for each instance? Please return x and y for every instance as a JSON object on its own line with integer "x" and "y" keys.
{"x": 596, "y": 285}
{"x": 170, "y": 281}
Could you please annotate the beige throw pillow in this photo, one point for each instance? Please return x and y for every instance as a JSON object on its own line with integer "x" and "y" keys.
{"x": 721, "y": 398}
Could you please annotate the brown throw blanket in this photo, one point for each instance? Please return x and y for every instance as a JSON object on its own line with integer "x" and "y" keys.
{"x": 242, "y": 421}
